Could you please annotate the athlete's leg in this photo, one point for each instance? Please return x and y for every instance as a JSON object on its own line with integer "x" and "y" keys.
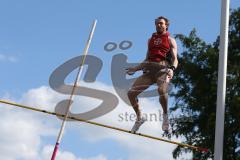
{"x": 163, "y": 98}
{"x": 163, "y": 92}
{"x": 141, "y": 84}
{"x": 162, "y": 82}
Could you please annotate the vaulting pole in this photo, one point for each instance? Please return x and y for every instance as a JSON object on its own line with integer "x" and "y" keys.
{"x": 222, "y": 72}
{"x": 73, "y": 91}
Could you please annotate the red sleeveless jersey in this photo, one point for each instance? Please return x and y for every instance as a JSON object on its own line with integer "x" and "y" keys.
{"x": 158, "y": 47}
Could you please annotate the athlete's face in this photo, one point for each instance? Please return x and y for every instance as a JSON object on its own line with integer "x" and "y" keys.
{"x": 160, "y": 25}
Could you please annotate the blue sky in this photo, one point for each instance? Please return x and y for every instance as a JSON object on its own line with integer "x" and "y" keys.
{"x": 38, "y": 36}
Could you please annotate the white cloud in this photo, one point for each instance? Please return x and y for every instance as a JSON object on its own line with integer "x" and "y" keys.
{"x": 20, "y": 134}
{"x": 30, "y": 128}
{"x": 2, "y": 57}
{"x": 21, "y": 131}
{"x": 8, "y": 58}
{"x": 65, "y": 155}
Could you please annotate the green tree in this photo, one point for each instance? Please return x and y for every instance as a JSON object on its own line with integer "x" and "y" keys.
{"x": 196, "y": 92}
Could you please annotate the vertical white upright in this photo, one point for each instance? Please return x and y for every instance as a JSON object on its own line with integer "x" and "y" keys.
{"x": 221, "y": 90}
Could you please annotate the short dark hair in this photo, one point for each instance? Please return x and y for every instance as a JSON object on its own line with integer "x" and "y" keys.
{"x": 165, "y": 19}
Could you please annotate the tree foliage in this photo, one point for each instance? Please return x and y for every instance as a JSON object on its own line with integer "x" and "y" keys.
{"x": 196, "y": 93}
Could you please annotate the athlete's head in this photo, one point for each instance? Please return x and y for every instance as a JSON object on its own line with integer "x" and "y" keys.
{"x": 162, "y": 24}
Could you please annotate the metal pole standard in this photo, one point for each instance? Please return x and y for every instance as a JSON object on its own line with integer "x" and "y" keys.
{"x": 73, "y": 91}
{"x": 221, "y": 90}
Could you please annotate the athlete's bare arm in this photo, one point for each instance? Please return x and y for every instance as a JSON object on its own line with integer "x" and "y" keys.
{"x": 132, "y": 70}
{"x": 174, "y": 52}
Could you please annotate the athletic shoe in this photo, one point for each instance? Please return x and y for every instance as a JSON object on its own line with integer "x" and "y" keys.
{"x": 137, "y": 125}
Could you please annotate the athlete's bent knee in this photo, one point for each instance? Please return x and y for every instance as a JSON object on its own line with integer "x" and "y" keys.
{"x": 162, "y": 91}
{"x": 131, "y": 94}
